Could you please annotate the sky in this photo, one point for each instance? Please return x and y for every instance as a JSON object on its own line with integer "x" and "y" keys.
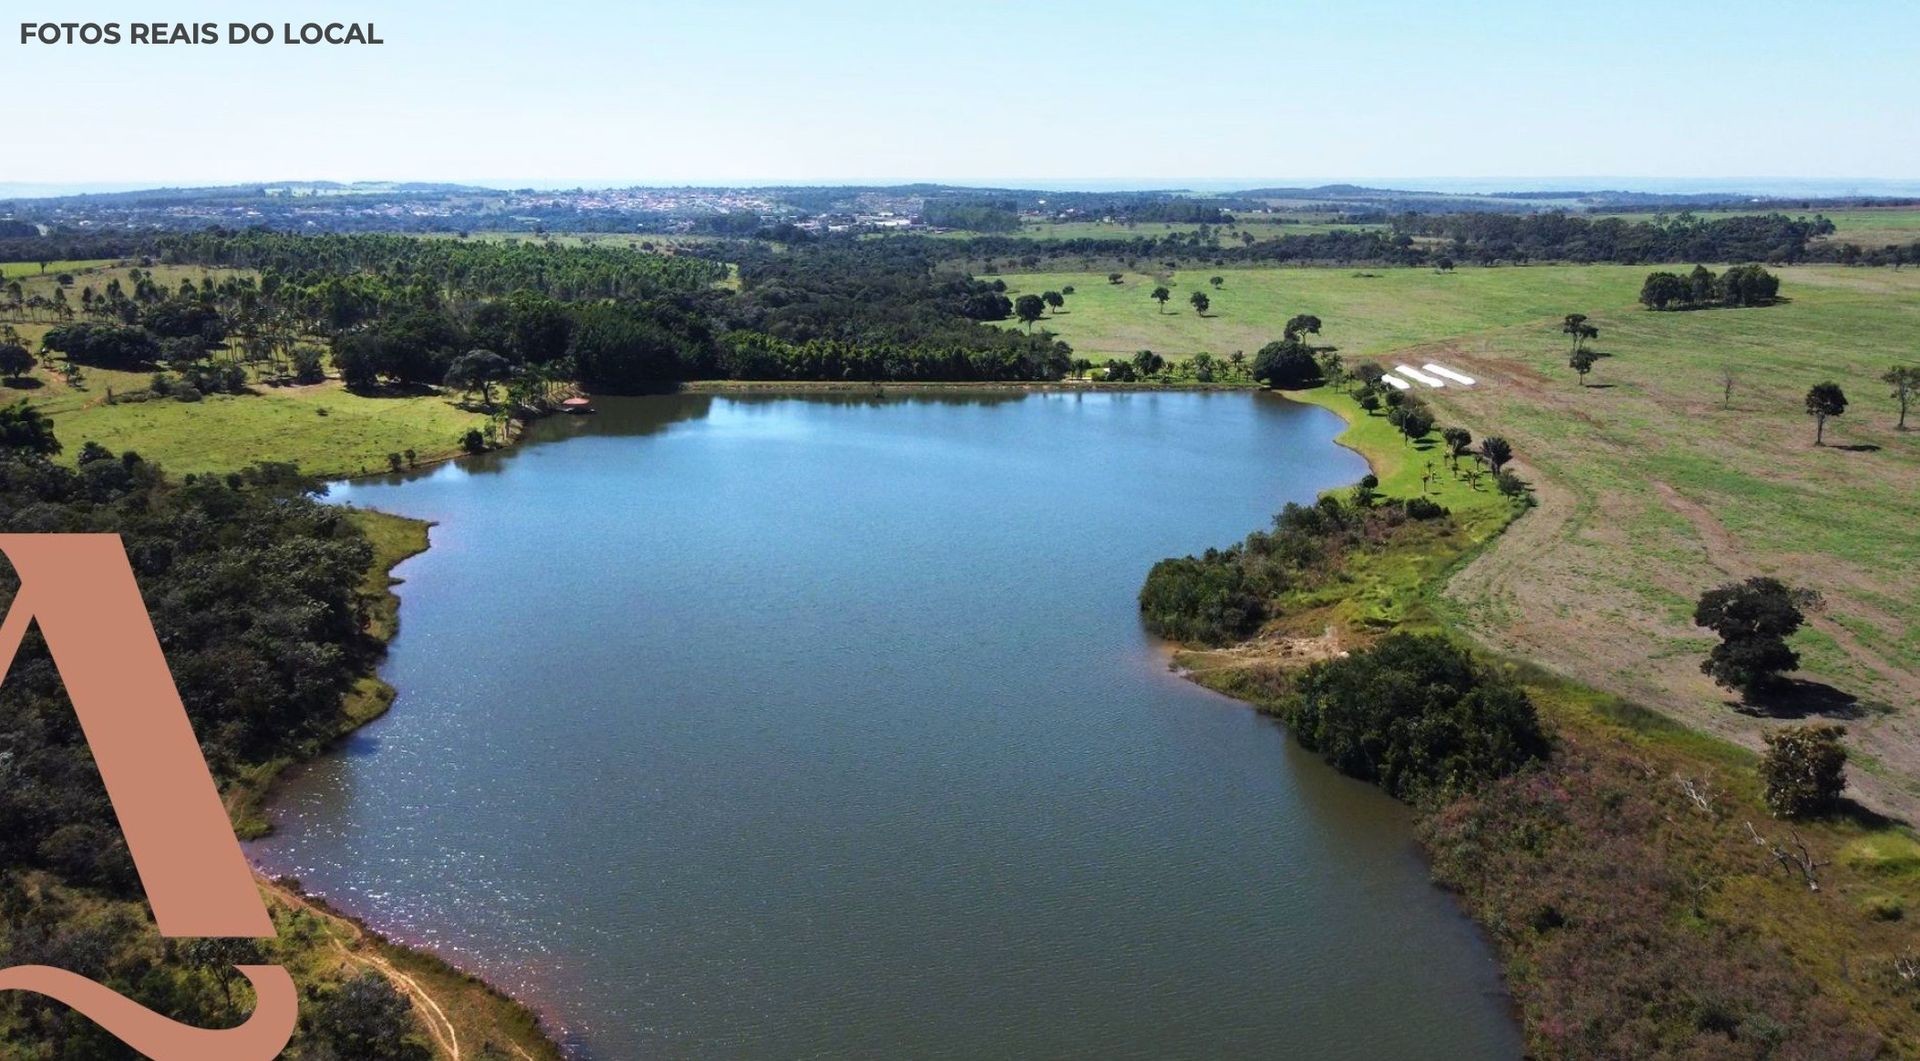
{"x": 984, "y": 92}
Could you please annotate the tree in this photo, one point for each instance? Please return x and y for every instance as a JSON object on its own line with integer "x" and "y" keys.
{"x": 15, "y": 360}
{"x": 1054, "y": 299}
{"x": 1202, "y": 364}
{"x": 1114, "y": 278}
{"x": 1754, "y": 619}
{"x": 1415, "y": 423}
{"x": 1824, "y": 400}
{"x": 1286, "y": 365}
{"x": 25, "y": 429}
{"x": 1496, "y": 451}
{"x": 1199, "y": 302}
{"x": 1369, "y": 400}
{"x": 1726, "y": 385}
{"x": 1216, "y": 281}
{"x": 1029, "y": 308}
{"x": 1161, "y": 295}
{"x": 1300, "y": 324}
{"x": 1804, "y": 770}
{"x": 1576, "y": 326}
{"x": 1148, "y": 364}
{"x": 365, "y": 1018}
{"x": 478, "y": 370}
{"x": 1582, "y": 362}
{"x": 1905, "y": 380}
{"x": 1458, "y": 440}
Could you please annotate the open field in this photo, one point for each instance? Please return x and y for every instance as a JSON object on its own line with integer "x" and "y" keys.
{"x": 29, "y": 270}
{"x": 1368, "y": 311}
{"x": 328, "y": 430}
{"x": 1652, "y": 489}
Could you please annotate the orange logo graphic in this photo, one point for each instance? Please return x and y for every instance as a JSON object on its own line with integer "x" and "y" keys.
{"x": 79, "y": 589}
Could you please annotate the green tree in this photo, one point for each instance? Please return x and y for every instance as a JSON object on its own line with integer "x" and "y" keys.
{"x": 15, "y": 360}
{"x": 1300, "y": 325}
{"x": 1286, "y": 365}
{"x": 1161, "y": 295}
{"x": 1148, "y": 364}
{"x": 1054, "y": 299}
{"x": 1216, "y": 281}
{"x": 1754, "y": 619}
{"x": 1804, "y": 770}
{"x": 1415, "y": 423}
{"x": 366, "y": 1019}
{"x": 1905, "y": 380}
{"x": 478, "y": 370}
{"x": 1497, "y": 452}
{"x": 1824, "y": 400}
{"x": 1582, "y": 362}
{"x": 25, "y": 429}
{"x": 1029, "y": 308}
{"x": 1575, "y": 325}
{"x": 1458, "y": 440}
{"x": 1114, "y": 278}
{"x": 1199, "y": 302}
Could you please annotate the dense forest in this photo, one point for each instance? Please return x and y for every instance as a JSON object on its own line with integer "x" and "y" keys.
{"x": 254, "y": 589}
{"x": 393, "y": 311}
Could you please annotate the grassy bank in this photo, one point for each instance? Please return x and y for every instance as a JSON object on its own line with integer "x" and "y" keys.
{"x": 1631, "y": 918}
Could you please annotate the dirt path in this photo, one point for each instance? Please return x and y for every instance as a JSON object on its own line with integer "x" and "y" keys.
{"x": 440, "y": 1026}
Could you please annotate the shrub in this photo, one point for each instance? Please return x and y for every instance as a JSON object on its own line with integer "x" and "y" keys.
{"x": 1424, "y": 508}
{"x": 1415, "y": 714}
{"x": 1804, "y": 770}
{"x": 1202, "y": 600}
{"x": 1510, "y": 484}
{"x": 473, "y": 441}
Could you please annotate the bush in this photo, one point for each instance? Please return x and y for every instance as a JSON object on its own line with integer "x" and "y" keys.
{"x": 1804, "y": 770}
{"x": 473, "y": 441}
{"x": 1510, "y": 484}
{"x": 1415, "y": 714}
{"x": 1424, "y": 508}
{"x": 1201, "y": 600}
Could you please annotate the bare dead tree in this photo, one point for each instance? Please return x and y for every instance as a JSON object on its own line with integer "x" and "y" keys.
{"x": 1800, "y": 859}
{"x": 1726, "y": 386}
{"x": 1907, "y": 966}
{"x": 1700, "y": 793}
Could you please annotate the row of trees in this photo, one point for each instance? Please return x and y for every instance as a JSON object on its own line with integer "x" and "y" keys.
{"x": 1742, "y": 285}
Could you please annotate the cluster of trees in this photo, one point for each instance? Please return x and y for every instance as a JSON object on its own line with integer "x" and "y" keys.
{"x": 1416, "y": 715}
{"x": 1742, "y": 285}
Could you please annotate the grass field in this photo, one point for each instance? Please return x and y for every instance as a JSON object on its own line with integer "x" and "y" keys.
{"x": 31, "y": 270}
{"x": 1652, "y": 489}
{"x": 327, "y": 430}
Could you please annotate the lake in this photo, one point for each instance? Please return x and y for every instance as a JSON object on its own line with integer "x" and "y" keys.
{"x": 822, "y": 727}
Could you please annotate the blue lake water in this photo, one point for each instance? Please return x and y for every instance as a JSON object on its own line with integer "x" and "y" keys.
{"x": 824, "y": 727}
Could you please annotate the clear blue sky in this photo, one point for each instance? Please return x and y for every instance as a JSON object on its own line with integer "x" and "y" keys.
{"x": 814, "y": 90}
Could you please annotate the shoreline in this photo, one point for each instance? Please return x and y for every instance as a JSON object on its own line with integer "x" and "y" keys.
{"x": 395, "y": 539}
